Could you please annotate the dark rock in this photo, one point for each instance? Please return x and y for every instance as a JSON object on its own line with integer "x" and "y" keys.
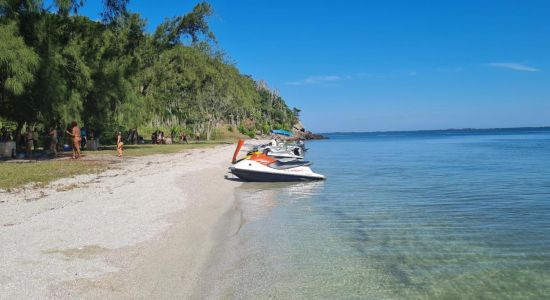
{"x": 308, "y": 135}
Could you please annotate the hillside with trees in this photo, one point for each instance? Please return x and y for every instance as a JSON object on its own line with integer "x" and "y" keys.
{"x": 57, "y": 66}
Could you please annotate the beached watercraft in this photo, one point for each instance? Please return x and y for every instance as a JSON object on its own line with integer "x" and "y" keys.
{"x": 278, "y": 153}
{"x": 281, "y": 150}
{"x": 260, "y": 167}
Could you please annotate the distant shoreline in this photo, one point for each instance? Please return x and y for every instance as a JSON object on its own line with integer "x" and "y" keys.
{"x": 441, "y": 130}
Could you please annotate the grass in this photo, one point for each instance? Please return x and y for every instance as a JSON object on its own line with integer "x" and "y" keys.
{"x": 42, "y": 172}
{"x": 13, "y": 175}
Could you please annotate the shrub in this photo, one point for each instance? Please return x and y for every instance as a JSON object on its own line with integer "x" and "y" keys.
{"x": 242, "y": 129}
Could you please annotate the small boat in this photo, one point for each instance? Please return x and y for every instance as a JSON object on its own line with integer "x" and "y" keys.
{"x": 260, "y": 167}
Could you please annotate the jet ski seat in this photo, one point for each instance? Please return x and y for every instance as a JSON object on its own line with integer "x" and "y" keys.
{"x": 282, "y": 165}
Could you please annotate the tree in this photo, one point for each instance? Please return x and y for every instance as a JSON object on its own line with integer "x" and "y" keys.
{"x": 18, "y": 62}
{"x": 65, "y": 7}
{"x": 56, "y": 67}
{"x": 193, "y": 24}
{"x": 113, "y": 9}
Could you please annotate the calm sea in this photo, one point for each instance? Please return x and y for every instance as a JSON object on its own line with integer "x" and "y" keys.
{"x": 405, "y": 215}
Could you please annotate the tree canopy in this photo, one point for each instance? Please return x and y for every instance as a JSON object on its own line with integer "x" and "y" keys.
{"x": 57, "y": 66}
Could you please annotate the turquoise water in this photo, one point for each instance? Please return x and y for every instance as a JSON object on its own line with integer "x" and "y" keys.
{"x": 419, "y": 215}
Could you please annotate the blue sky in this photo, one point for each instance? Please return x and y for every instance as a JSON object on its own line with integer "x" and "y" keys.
{"x": 388, "y": 65}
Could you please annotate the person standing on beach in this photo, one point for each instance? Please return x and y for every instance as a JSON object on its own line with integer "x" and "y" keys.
{"x": 83, "y": 138}
{"x": 183, "y": 138}
{"x": 119, "y": 144}
{"x": 91, "y": 134}
{"x": 29, "y": 141}
{"x": 75, "y": 133}
{"x": 53, "y": 141}
{"x": 5, "y": 136}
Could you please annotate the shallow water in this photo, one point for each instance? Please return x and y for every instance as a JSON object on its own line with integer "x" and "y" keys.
{"x": 430, "y": 215}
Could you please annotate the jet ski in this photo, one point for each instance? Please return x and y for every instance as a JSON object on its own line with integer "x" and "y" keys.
{"x": 260, "y": 167}
{"x": 281, "y": 151}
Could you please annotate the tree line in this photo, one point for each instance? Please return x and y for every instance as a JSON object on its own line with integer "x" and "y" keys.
{"x": 57, "y": 66}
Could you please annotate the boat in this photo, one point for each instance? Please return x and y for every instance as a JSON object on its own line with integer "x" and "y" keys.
{"x": 260, "y": 167}
{"x": 282, "y": 132}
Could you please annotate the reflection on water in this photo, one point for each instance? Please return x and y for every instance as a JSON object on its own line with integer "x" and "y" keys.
{"x": 401, "y": 216}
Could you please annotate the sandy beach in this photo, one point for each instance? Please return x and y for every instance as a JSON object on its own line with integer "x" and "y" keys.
{"x": 143, "y": 229}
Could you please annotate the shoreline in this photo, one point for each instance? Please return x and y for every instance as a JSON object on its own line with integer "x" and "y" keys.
{"x": 139, "y": 231}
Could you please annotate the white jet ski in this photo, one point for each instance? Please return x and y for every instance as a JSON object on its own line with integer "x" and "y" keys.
{"x": 260, "y": 167}
{"x": 281, "y": 151}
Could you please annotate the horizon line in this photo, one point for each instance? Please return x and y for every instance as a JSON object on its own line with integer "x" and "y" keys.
{"x": 448, "y": 129}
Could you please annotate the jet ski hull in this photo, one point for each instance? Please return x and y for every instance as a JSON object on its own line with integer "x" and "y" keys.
{"x": 257, "y": 176}
{"x": 250, "y": 170}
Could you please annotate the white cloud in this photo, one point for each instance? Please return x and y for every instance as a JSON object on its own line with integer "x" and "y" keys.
{"x": 316, "y": 79}
{"x": 514, "y": 67}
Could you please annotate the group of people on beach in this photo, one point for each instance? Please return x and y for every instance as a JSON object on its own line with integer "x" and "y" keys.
{"x": 79, "y": 137}
{"x": 158, "y": 137}
{"x": 26, "y": 139}
{"x": 76, "y": 134}
{"x": 30, "y": 137}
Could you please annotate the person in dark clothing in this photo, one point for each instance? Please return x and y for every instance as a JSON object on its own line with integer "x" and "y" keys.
{"x": 183, "y": 138}
{"x": 29, "y": 139}
{"x": 5, "y": 137}
{"x": 83, "y": 137}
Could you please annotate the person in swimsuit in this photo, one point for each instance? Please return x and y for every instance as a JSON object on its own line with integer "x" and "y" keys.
{"x": 119, "y": 144}
{"x": 75, "y": 133}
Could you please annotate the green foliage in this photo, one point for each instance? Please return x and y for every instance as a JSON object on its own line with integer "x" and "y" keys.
{"x": 265, "y": 128}
{"x": 58, "y": 67}
{"x": 247, "y": 131}
{"x": 17, "y": 62}
{"x": 114, "y": 9}
{"x": 193, "y": 24}
{"x": 242, "y": 129}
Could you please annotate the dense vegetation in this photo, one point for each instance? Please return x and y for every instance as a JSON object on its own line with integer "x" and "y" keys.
{"x": 56, "y": 66}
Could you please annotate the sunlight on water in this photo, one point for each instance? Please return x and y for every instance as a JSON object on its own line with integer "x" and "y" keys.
{"x": 404, "y": 215}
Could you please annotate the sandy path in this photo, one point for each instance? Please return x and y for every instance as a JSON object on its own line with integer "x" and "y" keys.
{"x": 140, "y": 231}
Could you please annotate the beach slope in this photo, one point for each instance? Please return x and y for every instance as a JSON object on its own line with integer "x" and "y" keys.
{"x": 141, "y": 230}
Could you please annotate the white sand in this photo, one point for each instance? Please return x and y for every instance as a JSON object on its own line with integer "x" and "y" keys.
{"x": 143, "y": 230}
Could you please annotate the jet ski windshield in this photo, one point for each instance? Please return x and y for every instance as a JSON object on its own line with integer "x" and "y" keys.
{"x": 282, "y": 165}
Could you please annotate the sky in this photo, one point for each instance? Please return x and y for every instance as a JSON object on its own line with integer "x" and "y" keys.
{"x": 387, "y": 65}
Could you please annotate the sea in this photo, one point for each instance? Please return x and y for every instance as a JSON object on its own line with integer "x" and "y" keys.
{"x": 458, "y": 214}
